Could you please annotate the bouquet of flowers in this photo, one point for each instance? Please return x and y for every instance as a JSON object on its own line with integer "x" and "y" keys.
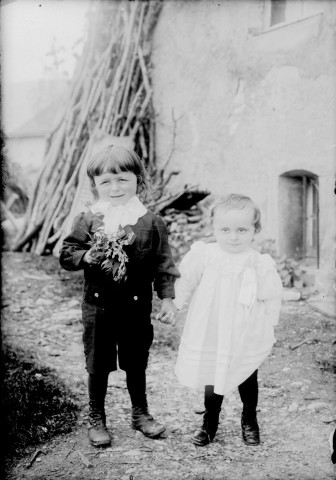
{"x": 109, "y": 249}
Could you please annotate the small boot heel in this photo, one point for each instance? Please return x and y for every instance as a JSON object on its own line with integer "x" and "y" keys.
{"x": 250, "y": 427}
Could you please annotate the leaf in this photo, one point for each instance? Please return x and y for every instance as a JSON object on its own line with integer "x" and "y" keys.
{"x": 107, "y": 266}
{"x": 115, "y": 268}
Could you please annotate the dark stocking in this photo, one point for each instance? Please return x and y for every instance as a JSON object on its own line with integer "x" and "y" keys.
{"x": 248, "y": 392}
{"x": 212, "y": 401}
{"x": 97, "y": 386}
{"x": 136, "y": 385}
{"x": 142, "y": 420}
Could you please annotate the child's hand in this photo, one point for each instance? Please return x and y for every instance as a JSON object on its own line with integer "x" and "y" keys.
{"x": 91, "y": 258}
{"x": 168, "y": 312}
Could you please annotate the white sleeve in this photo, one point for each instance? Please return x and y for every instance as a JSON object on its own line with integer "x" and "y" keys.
{"x": 269, "y": 288}
{"x": 191, "y": 269}
{"x": 272, "y": 310}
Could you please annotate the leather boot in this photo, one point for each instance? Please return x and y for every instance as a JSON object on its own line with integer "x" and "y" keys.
{"x": 143, "y": 421}
{"x": 250, "y": 427}
{"x": 98, "y": 434}
{"x": 212, "y": 403}
{"x": 207, "y": 432}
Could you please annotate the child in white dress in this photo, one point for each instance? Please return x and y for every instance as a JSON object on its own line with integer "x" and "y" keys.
{"x": 229, "y": 330}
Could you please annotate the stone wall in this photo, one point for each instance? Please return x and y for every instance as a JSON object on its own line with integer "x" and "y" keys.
{"x": 239, "y": 103}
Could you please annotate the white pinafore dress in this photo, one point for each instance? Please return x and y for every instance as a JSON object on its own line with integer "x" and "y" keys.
{"x": 229, "y": 329}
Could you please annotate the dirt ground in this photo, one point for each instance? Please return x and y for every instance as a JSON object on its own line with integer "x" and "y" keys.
{"x": 41, "y": 311}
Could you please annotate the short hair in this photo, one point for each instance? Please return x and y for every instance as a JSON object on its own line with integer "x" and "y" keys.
{"x": 117, "y": 159}
{"x": 234, "y": 201}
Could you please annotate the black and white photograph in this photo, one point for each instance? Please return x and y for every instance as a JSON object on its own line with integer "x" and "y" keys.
{"x": 168, "y": 239}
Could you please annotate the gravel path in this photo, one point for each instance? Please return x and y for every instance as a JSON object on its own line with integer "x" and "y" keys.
{"x": 296, "y": 406}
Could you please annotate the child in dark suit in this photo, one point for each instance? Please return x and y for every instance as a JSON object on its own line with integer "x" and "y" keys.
{"x": 123, "y": 249}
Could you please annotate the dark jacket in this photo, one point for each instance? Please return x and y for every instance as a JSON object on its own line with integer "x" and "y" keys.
{"x": 150, "y": 261}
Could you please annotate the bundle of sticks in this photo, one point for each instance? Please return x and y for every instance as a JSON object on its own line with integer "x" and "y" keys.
{"x": 111, "y": 94}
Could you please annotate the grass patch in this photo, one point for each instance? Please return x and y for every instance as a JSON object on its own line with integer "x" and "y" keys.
{"x": 37, "y": 405}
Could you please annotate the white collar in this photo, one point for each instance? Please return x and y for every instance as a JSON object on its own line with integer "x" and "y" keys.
{"x": 121, "y": 215}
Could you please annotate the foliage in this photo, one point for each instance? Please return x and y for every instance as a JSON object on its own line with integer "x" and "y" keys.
{"x": 266, "y": 245}
{"x": 289, "y": 269}
{"x": 108, "y": 248}
{"x": 290, "y": 272}
{"x": 36, "y": 404}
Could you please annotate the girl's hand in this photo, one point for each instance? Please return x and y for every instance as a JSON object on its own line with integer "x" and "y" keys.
{"x": 90, "y": 258}
{"x": 168, "y": 312}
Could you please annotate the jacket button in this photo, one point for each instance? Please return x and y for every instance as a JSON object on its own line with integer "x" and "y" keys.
{"x": 96, "y": 295}
{"x": 135, "y": 298}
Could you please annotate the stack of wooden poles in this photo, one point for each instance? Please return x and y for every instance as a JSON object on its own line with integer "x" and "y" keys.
{"x": 111, "y": 93}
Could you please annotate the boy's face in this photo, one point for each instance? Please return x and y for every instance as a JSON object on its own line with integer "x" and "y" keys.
{"x": 234, "y": 229}
{"x": 116, "y": 188}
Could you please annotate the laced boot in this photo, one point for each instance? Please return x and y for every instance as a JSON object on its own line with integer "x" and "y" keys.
{"x": 212, "y": 403}
{"x": 250, "y": 427}
{"x": 207, "y": 432}
{"x": 98, "y": 434}
{"x": 143, "y": 421}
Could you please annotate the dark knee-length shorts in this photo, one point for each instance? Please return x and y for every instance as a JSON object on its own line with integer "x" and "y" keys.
{"x": 114, "y": 334}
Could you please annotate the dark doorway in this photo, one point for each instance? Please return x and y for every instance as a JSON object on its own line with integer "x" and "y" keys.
{"x": 278, "y": 11}
{"x": 299, "y": 216}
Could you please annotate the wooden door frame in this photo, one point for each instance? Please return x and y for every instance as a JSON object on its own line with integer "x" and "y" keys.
{"x": 314, "y": 182}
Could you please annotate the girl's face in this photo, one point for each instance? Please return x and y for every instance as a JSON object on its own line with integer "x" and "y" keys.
{"x": 234, "y": 229}
{"x": 116, "y": 188}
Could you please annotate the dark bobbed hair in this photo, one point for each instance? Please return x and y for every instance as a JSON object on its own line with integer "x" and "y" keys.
{"x": 234, "y": 201}
{"x": 116, "y": 159}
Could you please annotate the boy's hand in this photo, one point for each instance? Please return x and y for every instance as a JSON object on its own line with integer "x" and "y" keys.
{"x": 168, "y": 312}
{"x": 91, "y": 258}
